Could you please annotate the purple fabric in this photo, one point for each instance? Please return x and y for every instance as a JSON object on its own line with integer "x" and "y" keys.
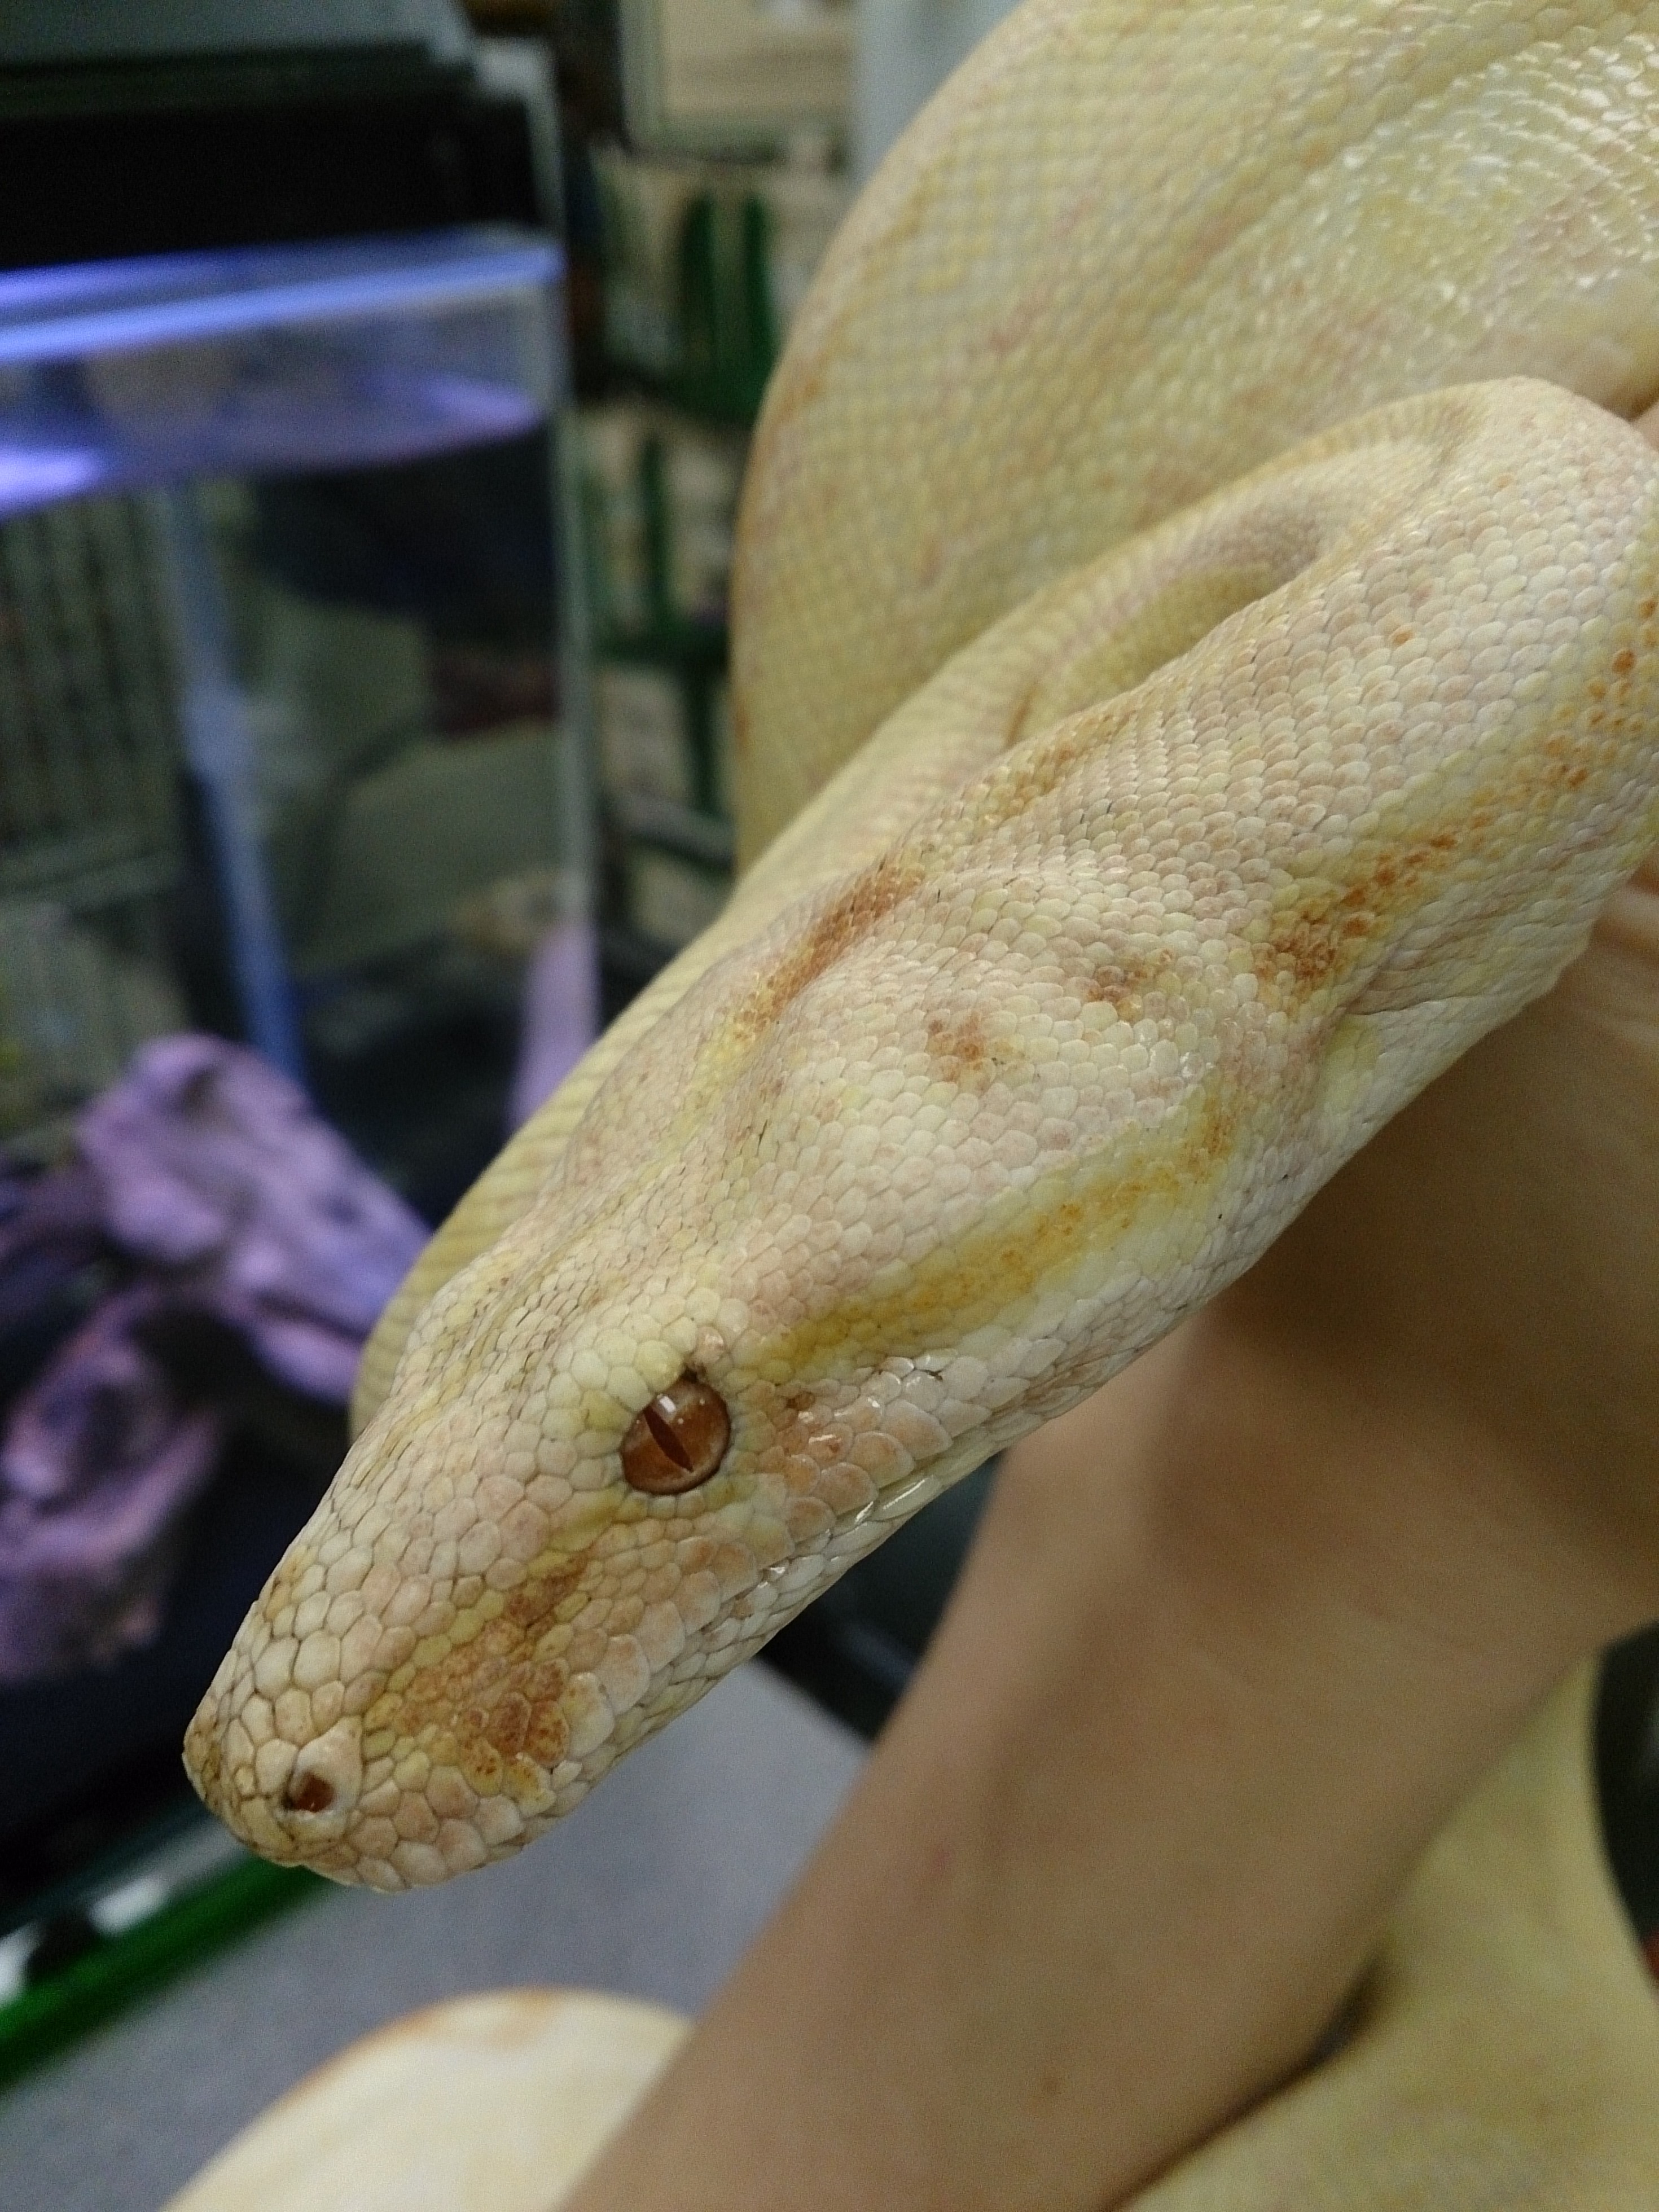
{"x": 51, "y": 1227}
{"x": 215, "y": 1175}
{"x": 216, "y": 1168}
{"x": 99, "y": 1456}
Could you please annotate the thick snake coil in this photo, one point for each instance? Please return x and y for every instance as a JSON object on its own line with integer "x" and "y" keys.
{"x": 1196, "y": 672}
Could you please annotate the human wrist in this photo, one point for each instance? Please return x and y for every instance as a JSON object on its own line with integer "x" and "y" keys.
{"x": 1320, "y": 1502}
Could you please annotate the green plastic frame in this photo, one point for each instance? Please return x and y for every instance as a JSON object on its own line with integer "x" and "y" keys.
{"x": 119, "y": 1969}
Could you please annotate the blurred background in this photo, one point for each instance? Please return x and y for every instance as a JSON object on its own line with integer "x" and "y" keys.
{"x": 375, "y": 385}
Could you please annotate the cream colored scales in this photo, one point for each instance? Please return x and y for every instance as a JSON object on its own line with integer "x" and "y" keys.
{"x": 1129, "y": 880}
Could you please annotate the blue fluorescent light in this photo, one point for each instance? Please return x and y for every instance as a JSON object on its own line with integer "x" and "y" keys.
{"x": 100, "y": 308}
{"x": 358, "y": 352}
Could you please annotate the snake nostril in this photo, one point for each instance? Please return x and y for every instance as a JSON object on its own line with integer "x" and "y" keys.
{"x": 678, "y": 1440}
{"x": 309, "y": 1793}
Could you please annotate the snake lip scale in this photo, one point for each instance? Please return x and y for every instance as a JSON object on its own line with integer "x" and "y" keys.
{"x": 1210, "y": 854}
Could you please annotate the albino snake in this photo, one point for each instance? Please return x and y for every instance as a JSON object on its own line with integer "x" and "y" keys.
{"x": 1223, "y": 789}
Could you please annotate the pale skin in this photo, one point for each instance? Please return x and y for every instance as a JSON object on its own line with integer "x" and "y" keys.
{"x": 1126, "y": 1843}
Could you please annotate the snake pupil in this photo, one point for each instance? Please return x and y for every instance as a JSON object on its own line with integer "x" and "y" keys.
{"x": 666, "y": 1440}
{"x": 678, "y": 1440}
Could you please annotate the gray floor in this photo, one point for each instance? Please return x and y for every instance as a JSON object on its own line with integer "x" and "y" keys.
{"x": 653, "y": 1887}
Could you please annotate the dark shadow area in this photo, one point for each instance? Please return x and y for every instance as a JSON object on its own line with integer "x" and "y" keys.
{"x": 1627, "y": 1764}
{"x": 92, "y": 1758}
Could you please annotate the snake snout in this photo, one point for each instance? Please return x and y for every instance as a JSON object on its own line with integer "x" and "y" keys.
{"x": 322, "y": 1791}
{"x": 292, "y": 1800}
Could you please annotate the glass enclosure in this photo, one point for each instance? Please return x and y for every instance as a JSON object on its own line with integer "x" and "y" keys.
{"x": 277, "y": 690}
{"x": 283, "y": 760}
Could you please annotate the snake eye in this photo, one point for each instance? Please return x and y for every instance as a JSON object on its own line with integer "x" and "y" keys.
{"x": 678, "y": 1440}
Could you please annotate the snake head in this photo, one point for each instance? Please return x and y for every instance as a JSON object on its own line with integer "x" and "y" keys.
{"x": 940, "y": 1145}
{"x": 624, "y": 1445}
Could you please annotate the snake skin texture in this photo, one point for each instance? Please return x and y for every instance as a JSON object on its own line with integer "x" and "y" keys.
{"x": 1129, "y": 254}
{"x": 1132, "y": 251}
{"x": 1187, "y": 850}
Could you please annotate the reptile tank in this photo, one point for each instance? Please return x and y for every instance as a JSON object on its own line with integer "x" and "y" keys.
{"x": 290, "y": 839}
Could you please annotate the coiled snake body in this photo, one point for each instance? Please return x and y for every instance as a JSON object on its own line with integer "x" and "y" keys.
{"x": 1195, "y": 661}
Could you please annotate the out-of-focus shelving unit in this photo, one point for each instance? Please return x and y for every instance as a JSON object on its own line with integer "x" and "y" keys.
{"x": 705, "y": 175}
